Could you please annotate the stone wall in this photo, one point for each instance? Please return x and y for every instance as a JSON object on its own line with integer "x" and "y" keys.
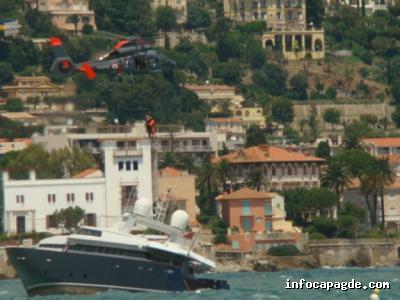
{"x": 356, "y": 252}
{"x": 6, "y": 270}
{"x": 349, "y": 111}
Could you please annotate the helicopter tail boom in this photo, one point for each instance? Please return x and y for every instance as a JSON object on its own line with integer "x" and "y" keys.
{"x": 63, "y": 64}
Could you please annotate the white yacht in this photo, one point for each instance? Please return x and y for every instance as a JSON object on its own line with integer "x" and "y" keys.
{"x": 94, "y": 259}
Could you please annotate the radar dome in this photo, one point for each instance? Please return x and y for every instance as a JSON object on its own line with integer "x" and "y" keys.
{"x": 180, "y": 219}
{"x": 143, "y": 207}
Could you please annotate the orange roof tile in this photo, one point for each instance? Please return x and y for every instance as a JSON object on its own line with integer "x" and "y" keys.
{"x": 383, "y": 142}
{"x": 168, "y": 171}
{"x": 245, "y": 193}
{"x": 355, "y": 184}
{"x": 85, "y": 173}
{"x": 267, "y": 153}
{"x": 226, "y": 120}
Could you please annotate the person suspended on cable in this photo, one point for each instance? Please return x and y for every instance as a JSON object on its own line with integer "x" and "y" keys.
{"x": 151, "y": 126}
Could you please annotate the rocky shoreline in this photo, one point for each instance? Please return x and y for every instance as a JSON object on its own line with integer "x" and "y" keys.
{"x": 269, "y": 264}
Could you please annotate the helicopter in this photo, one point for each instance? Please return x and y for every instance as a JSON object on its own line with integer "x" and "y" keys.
{"x": 130, "y": 56}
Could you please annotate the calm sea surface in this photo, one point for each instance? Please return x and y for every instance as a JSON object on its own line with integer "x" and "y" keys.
{"x": 250, "y": 286}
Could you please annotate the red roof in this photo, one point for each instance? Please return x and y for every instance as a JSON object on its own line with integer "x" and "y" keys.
{"x": 245, "y": 193}
{"x": 171, "y": 172}
{"x": 267, "y": 153}
{"x": 383, "y": 142}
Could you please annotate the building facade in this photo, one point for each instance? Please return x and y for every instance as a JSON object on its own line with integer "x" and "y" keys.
{"x": 256, "y": 221}
{"x": 30, "y": 204}
{"x": 62, "y": 10}
{"x": 230, "y": 131}
{"x": 287, "y": 31}
{"x": 370, "y": 5}
{"x": 178, "y": 187}
{"x": 280, "y": 168}
{"x": 250, "y": 116}
{"x": 28, "y": 88}
{"x": 215, "y": 94}
{"x": 388, "y": 148}
{"x": 174, "y": 138}
{"x": 180, "y": 7}
{"x": 7, "y": 145}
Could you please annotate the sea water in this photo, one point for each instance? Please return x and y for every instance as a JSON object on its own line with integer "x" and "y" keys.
{"x": 250, "y": 286}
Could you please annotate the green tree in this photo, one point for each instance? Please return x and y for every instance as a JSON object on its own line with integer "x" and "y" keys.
{"x": 197, "y": 15}
{"x": 396, "y": 116}
{"x": 6, "y": 73}
{"x": 299, "y": 86}
{"x": 225, "y": 174}
{"x": 323, "y": 150}
{"x": 165, "y": 18}
{"x": 331, "y": 93}
{"x": 230, "y": 72}
{"x": 336, "y": 177}
{"x": 87, "y": 29}
{"x": 386, "y": 177}
{"x": 315, "y": 12}
{"x": 332, "y": 116}
{"x": 14, "y": 105}
{"x": 282, "y": 111}
{"x": 69, "y": 217}
{"x": 354, "y": 131}
{"x": 325, "y": 226}
{"x": 229, "y": 46}
{"x": 255, "y": 136}
{"x": 255, "y": 179}
{"x": 207, "y": 183}
{"x": 272, "y": 79}
{"x": 369, "y": 119}
{"x": 348, "y": 226}
{"x": 74, "y": 19}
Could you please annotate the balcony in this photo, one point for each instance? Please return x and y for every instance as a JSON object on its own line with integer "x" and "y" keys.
{"x": 188, "y": 148}
{"x": 127, "y": 152}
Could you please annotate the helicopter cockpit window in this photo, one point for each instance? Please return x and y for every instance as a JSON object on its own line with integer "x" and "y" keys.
{"x": 140, "y": 62}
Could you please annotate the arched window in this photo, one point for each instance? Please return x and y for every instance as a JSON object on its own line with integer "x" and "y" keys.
{"x": 273, "y": 170}
{"x": 239, "y": 113}
{"x": 289, "y": 170}
{"x": 265, "y": 170}
{"x": 304, "y": 169}
{"x": 318, "y": 45}
{"x": 247, "y": 113}
{"x": 269, "y": 44}
{"x": 295, "y": 169}
{"x": 314, "y": 170}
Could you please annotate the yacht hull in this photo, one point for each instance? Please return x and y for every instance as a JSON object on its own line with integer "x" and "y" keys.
{"x": 44, "y": 272}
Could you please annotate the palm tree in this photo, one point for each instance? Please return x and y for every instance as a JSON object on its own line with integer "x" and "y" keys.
{"x": 255, "y": 179}
{"x": 385, "y": 177}
{"x": 225, "y": 174}
{"x": 207, "y": 183}
{"x": 170, "y": 159}
{"x": 75, "y": 20}
{"x": 336, "y": 177}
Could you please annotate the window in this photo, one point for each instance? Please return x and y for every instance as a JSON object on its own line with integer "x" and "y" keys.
{"x": 246, "y": 208}
{"x": 246, "y": 225}
{"x": 127, "y": 165}
{"x": 120, "y": 165}
{"x": 268, "y": 225}
{"x": 70, "y": 197}
{"x": 51, "y": 221}
{"x": 51, "y": 198}
{"x": 235, "y": 245}
{"x": 20, "y": 198}
{"x": 89, "y": 197}
{"x": 267, "y": 208}
{"x": 21, "y": 224}
{"x": 90, "y": 219}
{"x": 135, "y": 165}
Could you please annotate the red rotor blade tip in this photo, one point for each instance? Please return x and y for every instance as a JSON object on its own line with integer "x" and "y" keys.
{"x": 90, "y": 73}
{"x": 55, "y": 42}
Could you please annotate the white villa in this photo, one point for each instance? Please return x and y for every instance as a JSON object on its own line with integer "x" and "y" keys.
{"x": 29, "y": 205}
